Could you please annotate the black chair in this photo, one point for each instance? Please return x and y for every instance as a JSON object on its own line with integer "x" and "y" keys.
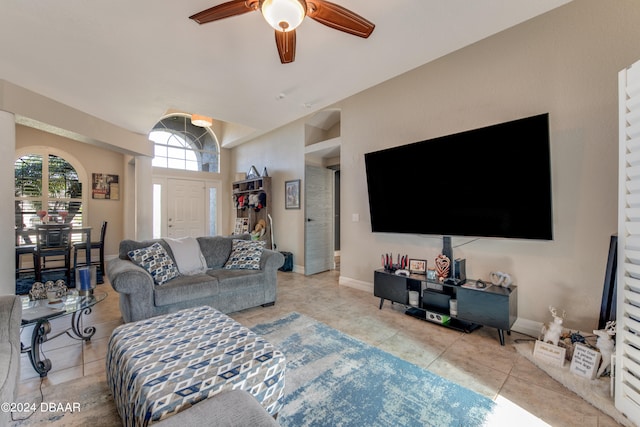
{"x": 82, "y": 246}
{"x": 24, "y": 247}
{"x": 53, "y": 241}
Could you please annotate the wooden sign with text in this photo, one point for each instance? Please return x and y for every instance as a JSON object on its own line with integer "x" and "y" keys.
{"x": 550, "y": 353}
{"x": 585, "y": 361}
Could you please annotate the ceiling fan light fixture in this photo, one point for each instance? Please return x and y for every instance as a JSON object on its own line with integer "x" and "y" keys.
{"x": 201, "y": 121}
{"x": 284, "y": 15}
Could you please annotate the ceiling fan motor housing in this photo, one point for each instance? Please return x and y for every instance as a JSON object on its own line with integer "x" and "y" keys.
{"x": 283, "y": 15}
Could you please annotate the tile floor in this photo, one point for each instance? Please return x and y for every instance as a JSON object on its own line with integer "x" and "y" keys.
{"x": 476, "y": 360}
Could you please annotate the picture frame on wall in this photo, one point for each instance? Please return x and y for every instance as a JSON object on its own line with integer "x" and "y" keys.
{"x": 105, "y": 186}
{"x": 292, "y": 194}
{"x": 418, "y": 266}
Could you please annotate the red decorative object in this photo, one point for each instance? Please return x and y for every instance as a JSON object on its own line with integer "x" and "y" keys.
{"x": 442, "y": 267}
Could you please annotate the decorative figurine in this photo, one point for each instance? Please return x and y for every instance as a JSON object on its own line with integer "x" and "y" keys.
{"x": 606, "y": 345}
{"x": 39, "y": 290}
{"x": 259, "y": 230}
{"x": 442, "y": 267}
{"x": 499, "y": 278}
{"x": 253, "y": 173}
{"x": 551, "y": 331}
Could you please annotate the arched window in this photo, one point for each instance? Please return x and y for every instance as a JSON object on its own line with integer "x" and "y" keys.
{"x": 180, "y": 145}
{"x": 47, "y": 188}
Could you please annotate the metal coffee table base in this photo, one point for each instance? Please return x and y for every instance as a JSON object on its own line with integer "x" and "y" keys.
{"x": 40, "y": 334}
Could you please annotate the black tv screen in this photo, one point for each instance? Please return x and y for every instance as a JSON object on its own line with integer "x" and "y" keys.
{"x": 489, "y": 182}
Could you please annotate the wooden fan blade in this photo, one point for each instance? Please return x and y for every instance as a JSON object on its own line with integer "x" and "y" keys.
{"x": 224, "y": 10}
{"x": 339, "y": 18}
{"x": 286, "y": 42}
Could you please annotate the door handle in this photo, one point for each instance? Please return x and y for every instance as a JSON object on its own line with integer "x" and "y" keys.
{"x": 309, "y": 220}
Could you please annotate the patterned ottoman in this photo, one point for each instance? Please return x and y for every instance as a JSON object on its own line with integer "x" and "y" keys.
{"x": 163, "y": 365}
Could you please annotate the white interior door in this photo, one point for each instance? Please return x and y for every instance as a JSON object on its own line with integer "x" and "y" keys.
{"x": 186, "y": 208}
{"x": 318, "y": 231}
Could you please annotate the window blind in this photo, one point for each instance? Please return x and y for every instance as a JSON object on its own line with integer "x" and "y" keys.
{"x": 627, "y": 371}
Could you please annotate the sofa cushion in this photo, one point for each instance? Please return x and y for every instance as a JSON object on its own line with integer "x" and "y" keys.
{"x": 185, "y": 288}
{"x": 245, "y": 255}
{"x": 237, "y": 280}
{"x": 156, "y": 261}
{"x": 187, "y": 255}
{"x": 216, "y": 249}
{"x": 231, "y": 408}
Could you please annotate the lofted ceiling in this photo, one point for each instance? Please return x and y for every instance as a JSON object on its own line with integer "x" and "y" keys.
{"x": 131, "y": 62}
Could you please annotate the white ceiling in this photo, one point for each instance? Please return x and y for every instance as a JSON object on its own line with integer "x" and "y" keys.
{"x": 129, "y": 62}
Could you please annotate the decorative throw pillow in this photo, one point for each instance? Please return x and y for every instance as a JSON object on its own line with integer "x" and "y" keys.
{"x": 245, "y": 255}
{"x": 156, "y": 261}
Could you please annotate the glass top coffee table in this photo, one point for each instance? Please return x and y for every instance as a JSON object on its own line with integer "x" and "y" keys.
{"x": 39, "y": 312}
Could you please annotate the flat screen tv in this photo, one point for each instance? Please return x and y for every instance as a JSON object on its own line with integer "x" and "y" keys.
{"x": 489, "y": 182}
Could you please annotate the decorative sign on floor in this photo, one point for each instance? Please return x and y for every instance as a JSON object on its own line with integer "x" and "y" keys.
{"x": 585, "y": 361}
{"x": 550, "y": 353}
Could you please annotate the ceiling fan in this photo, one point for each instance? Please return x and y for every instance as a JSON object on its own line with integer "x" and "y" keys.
{"x": 286, "y": 15}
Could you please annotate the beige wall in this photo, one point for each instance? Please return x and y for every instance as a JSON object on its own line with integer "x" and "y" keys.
{"x": 282, "y": 152}
{"x": 93, "y": 160}
{"x": 564, "y": 62}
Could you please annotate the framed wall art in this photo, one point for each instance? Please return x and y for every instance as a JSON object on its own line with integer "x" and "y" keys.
{"x": 105, "y": 186}
{"x": 292, "y": 194}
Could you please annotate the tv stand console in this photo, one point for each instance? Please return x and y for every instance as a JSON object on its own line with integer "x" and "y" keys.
{"x": 493, "y": 306}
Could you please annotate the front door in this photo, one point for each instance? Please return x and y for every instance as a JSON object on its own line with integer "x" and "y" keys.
{"x": 186, "y": 208}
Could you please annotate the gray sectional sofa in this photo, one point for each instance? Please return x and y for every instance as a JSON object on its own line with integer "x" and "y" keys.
{"x": 222, "y": 289}
{"x": 10, "y": 318}
{"x": 230, "y": 408}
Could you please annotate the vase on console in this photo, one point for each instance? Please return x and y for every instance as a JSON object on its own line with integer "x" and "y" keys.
{"x": 43, "y": 216}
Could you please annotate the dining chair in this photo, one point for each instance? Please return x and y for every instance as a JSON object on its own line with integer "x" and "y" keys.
{"x": 53, "y": 241}
{"x": 79, "y": 246}
{"x": 24, "y": 246}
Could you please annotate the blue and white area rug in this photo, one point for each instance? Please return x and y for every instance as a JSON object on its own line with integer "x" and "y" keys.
{"x": 333, "y": 379}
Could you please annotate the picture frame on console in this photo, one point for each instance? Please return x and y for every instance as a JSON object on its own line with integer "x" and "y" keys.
{"x": 418, "y": 266}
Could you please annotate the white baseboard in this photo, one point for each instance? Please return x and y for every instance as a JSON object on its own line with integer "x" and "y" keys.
{"x": 298, "y": 268}
{"x": 356, "y": 284}
{"x": 523, "y": 326}
{"x": 527, "y": 327}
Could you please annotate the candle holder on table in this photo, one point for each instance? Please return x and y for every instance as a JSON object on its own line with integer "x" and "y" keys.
{"x": 86, "y": 280}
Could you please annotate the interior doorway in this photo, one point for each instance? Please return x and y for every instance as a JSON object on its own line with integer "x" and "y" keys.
{"x": 322, "y": 191}
{"x": 318, "y": 230}
{"x": 336, "y": 216}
